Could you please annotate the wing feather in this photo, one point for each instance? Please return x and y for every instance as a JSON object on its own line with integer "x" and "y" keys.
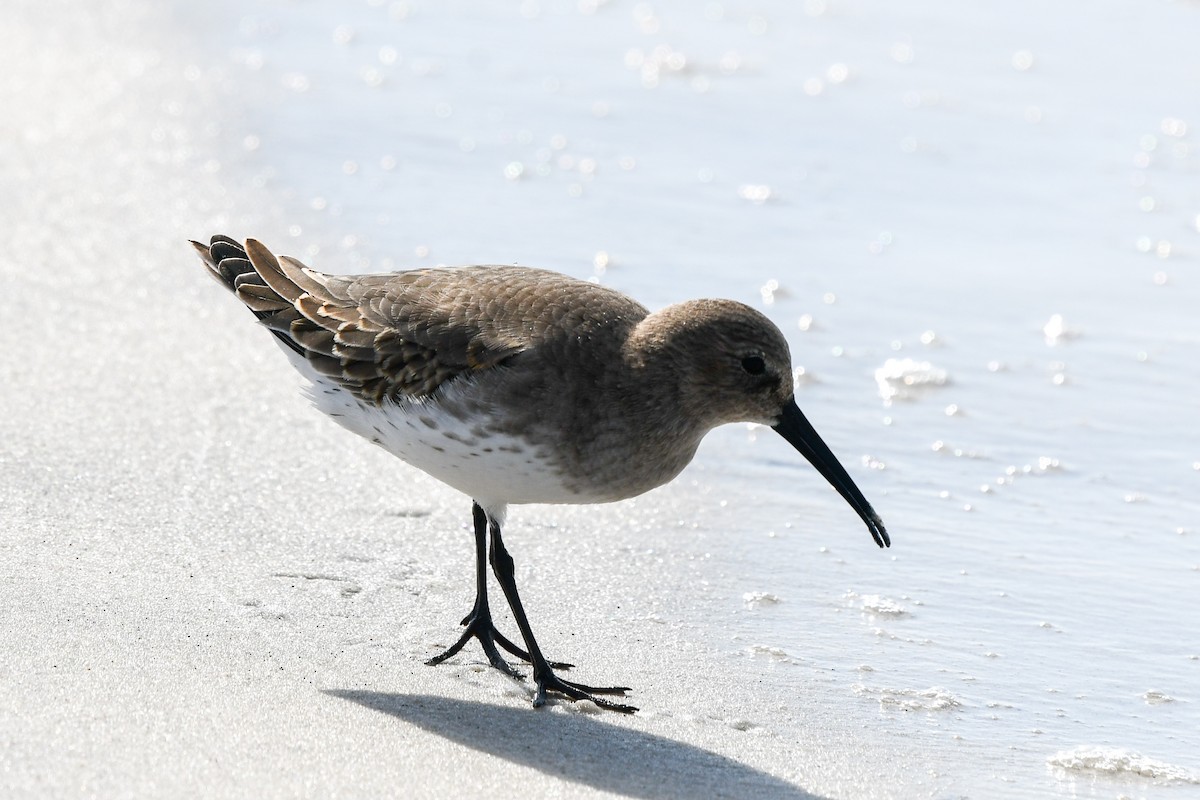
{"x": 407, "y": 334}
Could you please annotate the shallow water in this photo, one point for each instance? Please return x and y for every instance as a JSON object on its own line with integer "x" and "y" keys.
{"x": 979, "y": 230}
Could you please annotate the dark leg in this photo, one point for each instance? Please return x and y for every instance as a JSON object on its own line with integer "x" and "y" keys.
{"x": 543, "y": 672}
{"x": 479, "y": 621}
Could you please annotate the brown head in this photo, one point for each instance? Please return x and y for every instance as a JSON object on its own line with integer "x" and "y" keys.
{"x": 726, "y": 361}
{"x": 729, "y": 363}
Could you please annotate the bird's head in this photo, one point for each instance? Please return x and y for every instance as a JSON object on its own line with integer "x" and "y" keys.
{"x": 730, "y": 363}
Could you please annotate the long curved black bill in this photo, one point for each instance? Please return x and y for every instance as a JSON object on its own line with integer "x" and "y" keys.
{"x": 800, "y": 433}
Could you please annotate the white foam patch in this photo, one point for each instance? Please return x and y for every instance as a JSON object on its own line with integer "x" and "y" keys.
{"x": 907, "y": 378}
{"x": 932, "y": 699}
{"x": 879, "y": 605}
{"x": 772, "y": 652}
{"x": 1156, "y": 698}
{"x": 1056, "y": 330}
{"x": 755, "y": 600}
{"x": 1116, "y": 761}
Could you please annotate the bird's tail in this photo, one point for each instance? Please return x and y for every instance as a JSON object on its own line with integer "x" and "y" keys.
{"x": 269, "y": 286}
{"x": 323, "y": 329}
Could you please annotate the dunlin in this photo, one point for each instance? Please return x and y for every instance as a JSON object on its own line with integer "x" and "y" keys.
{"x": 519, "y": 385}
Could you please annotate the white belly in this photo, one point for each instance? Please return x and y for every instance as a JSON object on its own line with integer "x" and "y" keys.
{"x": 492, "y": 468}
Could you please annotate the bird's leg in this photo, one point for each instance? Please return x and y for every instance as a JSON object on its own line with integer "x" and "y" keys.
{"x": 479, "y": 621}
{"x": 543, "y": 671}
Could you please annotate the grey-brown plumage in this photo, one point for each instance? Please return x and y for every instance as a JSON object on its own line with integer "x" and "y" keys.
{"x": 405, "y": 334}
{"x": 522, "y": 385}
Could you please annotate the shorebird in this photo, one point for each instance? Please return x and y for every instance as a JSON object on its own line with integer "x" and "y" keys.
{"x": 520, "y": 385}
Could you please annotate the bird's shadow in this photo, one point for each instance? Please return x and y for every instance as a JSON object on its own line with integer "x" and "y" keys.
{"x": 581, "y": 749}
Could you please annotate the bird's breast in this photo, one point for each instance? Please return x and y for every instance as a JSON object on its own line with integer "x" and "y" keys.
{"x": 505, "y": 441}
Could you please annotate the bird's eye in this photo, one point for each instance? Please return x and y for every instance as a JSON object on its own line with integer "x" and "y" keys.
{"x": 754, "y": 365}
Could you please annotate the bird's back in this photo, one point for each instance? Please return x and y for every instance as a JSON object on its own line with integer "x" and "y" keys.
{"x": 405, "y": 334}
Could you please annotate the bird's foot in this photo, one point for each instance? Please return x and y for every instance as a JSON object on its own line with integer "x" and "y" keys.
{"x": 480, "y": 626}
{"x": 547, "y": 681}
